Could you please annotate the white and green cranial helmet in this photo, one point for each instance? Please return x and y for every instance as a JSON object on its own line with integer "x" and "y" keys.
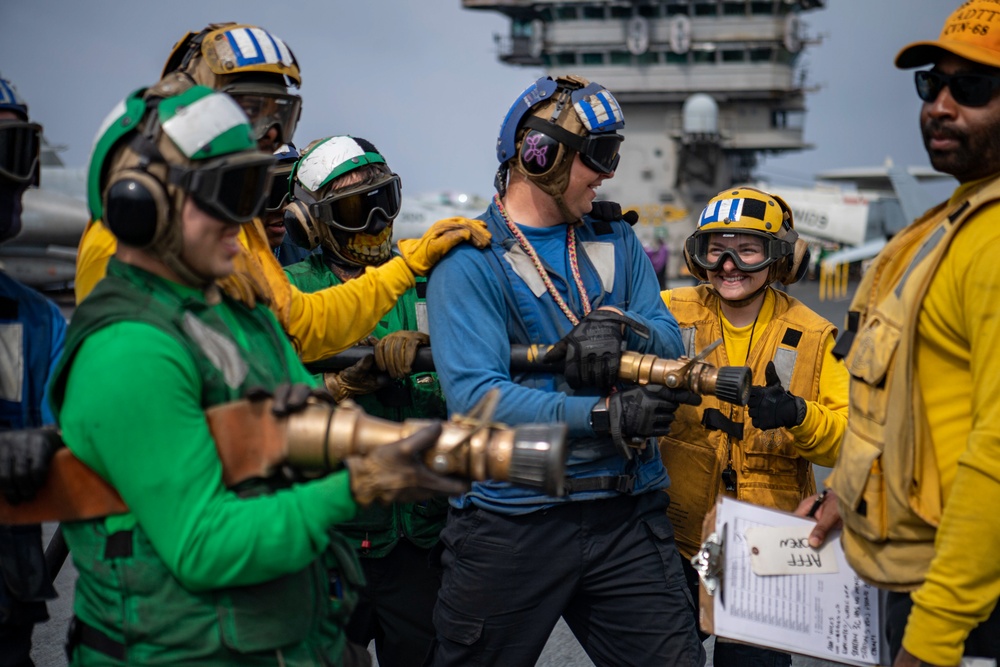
{"x": 345, "y": 198}
{"x": 197, "y": 143}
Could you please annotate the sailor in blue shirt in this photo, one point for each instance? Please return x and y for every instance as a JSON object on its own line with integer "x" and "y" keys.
{"x": 602, "y": 556}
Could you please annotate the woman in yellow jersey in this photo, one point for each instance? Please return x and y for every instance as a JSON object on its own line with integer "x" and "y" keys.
{"x": 763, "y": 453}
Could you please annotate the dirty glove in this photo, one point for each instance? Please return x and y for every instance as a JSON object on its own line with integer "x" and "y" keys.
{"x": 773, "y": 406}
{"x": 423, "y": 253}
{"x": 361, "y": 378}
{"x": 395, "y": 353}
{"x": 593, "y": 349}
{"x": 644, "y": 411}
{"x": 25, "y": 457}
{"x": 396, "y": 472}
{"x": 610, "y": 211}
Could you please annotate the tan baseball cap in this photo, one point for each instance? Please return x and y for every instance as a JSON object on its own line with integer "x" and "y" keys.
{"x": 971, "y": 32}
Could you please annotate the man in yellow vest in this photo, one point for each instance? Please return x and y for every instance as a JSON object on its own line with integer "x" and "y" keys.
{"x": 258, "y": 70}
{"x": 918, "y": 476}
{"x": 797, "y": 412}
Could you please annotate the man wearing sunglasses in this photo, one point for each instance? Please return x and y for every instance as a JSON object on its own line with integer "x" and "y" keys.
{"x": 917, "y": 480}
{"x": 797, "y": 412}
{"x": 258, "y": 70}
{"x": 32, "y": 331}
{"x": 344, "y": 199}
{"x": 602, "y": 555}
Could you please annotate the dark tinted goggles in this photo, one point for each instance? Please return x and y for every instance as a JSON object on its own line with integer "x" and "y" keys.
{"x": 269, "y": 110}
{"x": 20, "y": 150}
{"x": 233, "y": 188}
{"x": 748, "y": 251}
{"x": 277, "y": 192}
{"x": 352, "y": 210}
{"x": 969, "y": 90}
{"x": 600, "y": 152}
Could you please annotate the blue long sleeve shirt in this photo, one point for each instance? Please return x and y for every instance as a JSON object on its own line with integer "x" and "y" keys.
{"x": 480, "y": 302}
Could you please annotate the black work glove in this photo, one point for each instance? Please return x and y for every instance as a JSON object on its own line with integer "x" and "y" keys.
{"x": 593, "y": 349}
{"x": 610, "y": 211}
{"x": 644, "y": 411}
{"x": 773, "y": 406}
{"x": 396, "y": 472}
{"x": 289, "y": 398}
{"x": 25, "y": 457}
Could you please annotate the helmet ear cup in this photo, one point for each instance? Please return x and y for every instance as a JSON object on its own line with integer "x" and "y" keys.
{"x": 539, "y": 153}
{"x": 136, "y": 207}
{"x": 302, "y": 228}
{"x": 795, "y": 265}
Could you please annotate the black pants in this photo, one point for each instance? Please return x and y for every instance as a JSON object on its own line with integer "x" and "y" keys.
{"x": 395, "y": 608}
{"x": 25, "y": 584}
{"x": 983, "y": 641}
{"x": 610, "y": 568}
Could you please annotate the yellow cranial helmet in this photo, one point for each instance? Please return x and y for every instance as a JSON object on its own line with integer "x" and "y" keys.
{"x": 249, "y": 63}
{"x": 749, "y": 211}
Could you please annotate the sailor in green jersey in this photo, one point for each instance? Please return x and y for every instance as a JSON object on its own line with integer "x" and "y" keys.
{"x": 344, "y": 200}
{"x": 196, "y": 572}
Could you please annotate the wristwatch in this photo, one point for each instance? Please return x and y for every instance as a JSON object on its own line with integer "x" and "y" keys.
{"x": 600, "y": 420}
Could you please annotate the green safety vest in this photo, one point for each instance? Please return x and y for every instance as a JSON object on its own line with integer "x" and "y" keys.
{"x": 296, "y": 619}
{"x": 376, "y": 529}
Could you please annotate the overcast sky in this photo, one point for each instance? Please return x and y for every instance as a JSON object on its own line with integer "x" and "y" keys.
{"x": 420, "y": 78}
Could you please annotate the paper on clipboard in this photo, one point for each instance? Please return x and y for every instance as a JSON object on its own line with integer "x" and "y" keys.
{"x": 833, "y": 616}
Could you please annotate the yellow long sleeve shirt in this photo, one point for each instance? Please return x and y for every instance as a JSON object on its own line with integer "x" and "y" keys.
{"x": 958, "y": 373}
{"x": 322, "y": 323}
{"x": 818, "y": 436}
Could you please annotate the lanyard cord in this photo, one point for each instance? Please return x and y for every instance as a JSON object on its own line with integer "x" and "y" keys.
{"x": 573, "y": 265}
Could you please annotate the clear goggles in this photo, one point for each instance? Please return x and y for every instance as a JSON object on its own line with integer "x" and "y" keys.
{"x": 750, "y": 252}
{"x": 232, "y": 188}
{"x": 267, "y": 110}
{"x": 20, "y": 151}
{"x": 353, "y": 210}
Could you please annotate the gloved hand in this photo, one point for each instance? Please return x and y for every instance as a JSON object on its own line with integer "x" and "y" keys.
{"x": 644, "y": 411}
{"x": 610, "y": 211}
{"x": 423, "y": 253}
{"x": 25, "y": 457}
{"x": 358, "y": 379}
{"x": 773, "y": 406}
{"x": 396, "y": 472}
{"x": 593, "y": 349}
{"x": 289, "y": 398}
{"x": 395, "y": 353}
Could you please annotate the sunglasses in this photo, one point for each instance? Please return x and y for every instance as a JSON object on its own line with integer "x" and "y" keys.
{"x": 231, "y": 188}
{"x": 969, "y": 90}
{"x": 352, "y": 210}
{"x": 20, "y": 148}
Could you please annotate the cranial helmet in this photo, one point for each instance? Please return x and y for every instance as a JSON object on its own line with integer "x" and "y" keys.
{"x": 249, "y": 63}
{"x": 20, "y": 158}
{"x": 344, "y": 197}
{"x": 549, "y": 124}
{"x": 153, "y": 152}
{"x": 746, "y": 210}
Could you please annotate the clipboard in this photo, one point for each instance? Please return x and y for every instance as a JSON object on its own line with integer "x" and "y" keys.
{"x": 832, "y": 616}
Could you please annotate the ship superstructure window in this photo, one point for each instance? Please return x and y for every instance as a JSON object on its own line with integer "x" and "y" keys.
{"x": 704, "y": 56}
{"x": 621, "y": 12}
{"x": 706, "y": 8}
{"x": 677, "y": 9}
{"x": 734, "y": 8}
{"x": 760, "y": 55}
{"x": 621, "y": 58}
{"x": 649, "y": 11}
{"x": 762, "y": 8}
{"x": 592, "y": 58}
{"x": 566, "y": 13}
{"x": 672, "y": 58}
{"x": 647, "y": 58}
{"x": 734, "y": 56}
{"x": 565, "y": 58}
{"x": 593, "y": 13}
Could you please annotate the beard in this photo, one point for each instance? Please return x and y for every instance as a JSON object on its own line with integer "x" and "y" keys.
{"x": 976, "y": 155}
